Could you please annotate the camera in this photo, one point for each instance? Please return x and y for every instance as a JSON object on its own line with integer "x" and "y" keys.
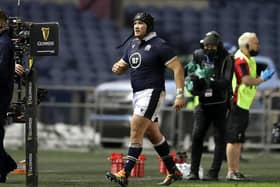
{"x": 17, "y": 108}
{"x": 20, "y": 36}
{"x": 29, "y": 39}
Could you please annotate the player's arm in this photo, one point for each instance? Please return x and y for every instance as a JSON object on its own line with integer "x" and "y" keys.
{"x": 178, "y": 71}
{"x": 120, "y": 67}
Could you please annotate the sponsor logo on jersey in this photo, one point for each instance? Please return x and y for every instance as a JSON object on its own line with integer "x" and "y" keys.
{"x": 147, "y": 47}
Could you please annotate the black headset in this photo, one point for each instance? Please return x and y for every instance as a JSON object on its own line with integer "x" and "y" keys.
{"x": 214, "y": 34}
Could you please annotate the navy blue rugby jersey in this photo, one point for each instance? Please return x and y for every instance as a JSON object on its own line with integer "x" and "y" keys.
{"x": 147, "y": 62}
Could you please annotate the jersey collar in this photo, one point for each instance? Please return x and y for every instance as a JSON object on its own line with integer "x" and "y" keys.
{"x": 150, "y": 36}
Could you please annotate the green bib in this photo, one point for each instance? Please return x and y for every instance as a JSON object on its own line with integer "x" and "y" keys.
{"x": 245, "y": 94}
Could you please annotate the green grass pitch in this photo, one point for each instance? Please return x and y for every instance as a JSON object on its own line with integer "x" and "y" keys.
{"x": 87, "y": 169}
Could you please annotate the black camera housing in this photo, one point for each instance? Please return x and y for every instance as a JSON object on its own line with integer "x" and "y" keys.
{"x": 17, "y": 108}
{"x": 29, "y": 39}
{"x": 20, "y": 36}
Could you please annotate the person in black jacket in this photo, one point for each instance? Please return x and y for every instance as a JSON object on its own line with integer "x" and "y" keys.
{"x": 7, "y": 70}
{"x": 214, "y": 95}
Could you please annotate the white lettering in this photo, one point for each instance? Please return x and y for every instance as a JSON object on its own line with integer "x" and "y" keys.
{"x": 50, "y": 43}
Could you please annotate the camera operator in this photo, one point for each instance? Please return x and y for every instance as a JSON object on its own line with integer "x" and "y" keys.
{"x": 212, "y": 83}
{"x": 7, "y": 69}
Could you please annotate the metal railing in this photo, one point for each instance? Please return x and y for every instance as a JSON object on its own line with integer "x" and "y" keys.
{"x": 83, "y": 109}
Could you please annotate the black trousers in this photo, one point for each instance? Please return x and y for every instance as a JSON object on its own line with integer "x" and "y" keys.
{"x": 204, "y": 117}
{"x": 7, "y": 163}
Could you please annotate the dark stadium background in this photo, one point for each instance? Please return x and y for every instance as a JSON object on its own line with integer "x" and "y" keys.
{"x": 90, "y": 30}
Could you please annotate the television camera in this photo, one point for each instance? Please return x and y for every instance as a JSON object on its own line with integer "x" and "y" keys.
{"x": 29, "y": 39}
{"x": 198, "y": 77}
{"x": 20, "y": 35}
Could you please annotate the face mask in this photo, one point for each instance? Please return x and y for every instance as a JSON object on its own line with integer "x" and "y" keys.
{"x": 253, "y": 53}
{"x": 210, "y": 52}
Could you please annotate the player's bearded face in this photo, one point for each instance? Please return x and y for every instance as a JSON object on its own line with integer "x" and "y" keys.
{"x": 140, "y": 29}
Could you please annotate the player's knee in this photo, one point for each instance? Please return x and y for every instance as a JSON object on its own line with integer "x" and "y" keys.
{"x": 154, "y": 138}
{"x": 136, "y": 134}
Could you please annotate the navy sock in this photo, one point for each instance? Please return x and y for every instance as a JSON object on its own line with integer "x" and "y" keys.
{"x": 134, "y": 151}
{"x": 163, "y": 151}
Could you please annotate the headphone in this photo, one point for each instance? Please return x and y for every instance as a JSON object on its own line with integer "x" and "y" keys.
{"x": 214, "y": 33}
{"x": 214, "y": 36}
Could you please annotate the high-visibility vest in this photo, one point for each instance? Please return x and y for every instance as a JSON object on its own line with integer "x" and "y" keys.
{"x": 245, "y": 94}
{"x": 191, "y": 100}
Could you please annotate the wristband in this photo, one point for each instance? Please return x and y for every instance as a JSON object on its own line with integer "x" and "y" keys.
{"x": 179, "y": 96}
{"x": 179, "y": 92}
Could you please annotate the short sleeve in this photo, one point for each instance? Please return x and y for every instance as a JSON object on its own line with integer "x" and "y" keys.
{"x": 125, "y": 57}
{"x": 167, "y": 53}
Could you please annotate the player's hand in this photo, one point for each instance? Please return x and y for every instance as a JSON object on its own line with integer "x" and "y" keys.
{"x": 179, "y": 103}
{"x": 19, "y": 69}
{"x": 119, "y": 68}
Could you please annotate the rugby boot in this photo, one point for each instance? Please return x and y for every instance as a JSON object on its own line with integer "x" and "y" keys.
{"x": 120, "y": 177}
{"x": 171, "y": 178}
